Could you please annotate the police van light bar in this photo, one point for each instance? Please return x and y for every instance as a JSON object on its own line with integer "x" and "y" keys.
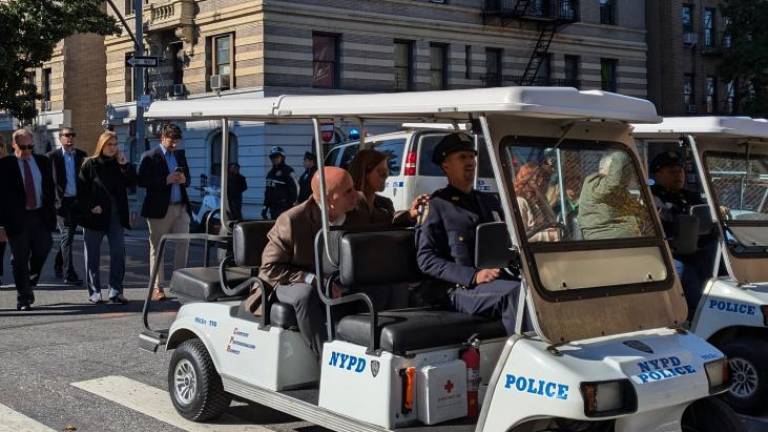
{"x": 608, "y": 398}
{"x": 717, "y": 375}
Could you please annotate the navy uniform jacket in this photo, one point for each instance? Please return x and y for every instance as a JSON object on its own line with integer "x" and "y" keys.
{"x": 671, "y": 204}
{"x": 281, "y": 188}
{"x": 446, "y": 239}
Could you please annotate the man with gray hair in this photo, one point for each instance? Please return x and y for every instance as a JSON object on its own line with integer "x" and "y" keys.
{"x": 27, "y": 215}
{"x": 66, "y": 162}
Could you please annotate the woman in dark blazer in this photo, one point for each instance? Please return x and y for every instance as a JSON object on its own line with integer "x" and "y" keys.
{"x": 369, "y": 170}
{"x": 102, "y": 200}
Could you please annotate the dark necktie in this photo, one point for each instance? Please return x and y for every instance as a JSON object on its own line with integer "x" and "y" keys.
{"x": 29, "y": 186}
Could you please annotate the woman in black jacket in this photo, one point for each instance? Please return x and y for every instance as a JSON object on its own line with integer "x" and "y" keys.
{"x": 102, "y": 197}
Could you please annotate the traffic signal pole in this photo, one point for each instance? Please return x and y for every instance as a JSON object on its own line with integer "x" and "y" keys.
{"x": 138, "y": 72}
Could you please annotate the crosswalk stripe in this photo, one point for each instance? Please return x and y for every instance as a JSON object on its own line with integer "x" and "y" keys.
{"x": 156, "y": 403}
{"x": 13, "y": 421}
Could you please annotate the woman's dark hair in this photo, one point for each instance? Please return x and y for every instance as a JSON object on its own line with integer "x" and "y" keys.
{"x": 363, "y": 163}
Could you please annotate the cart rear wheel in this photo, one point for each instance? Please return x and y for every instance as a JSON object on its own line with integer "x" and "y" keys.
{"x": 748, "y": 360}
{"x": 194, "y": 385}
{"x": 710, "y": 415}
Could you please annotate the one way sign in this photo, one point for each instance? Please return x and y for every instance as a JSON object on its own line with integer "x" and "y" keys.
{"x": 144, "y": 62}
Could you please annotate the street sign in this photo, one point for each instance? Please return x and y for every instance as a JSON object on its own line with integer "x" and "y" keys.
{"x": 144, "y": 62}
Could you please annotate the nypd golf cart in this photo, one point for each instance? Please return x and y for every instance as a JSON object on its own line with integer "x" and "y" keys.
{"x": 729, "y": 159}
{"x": 599, "y": 348}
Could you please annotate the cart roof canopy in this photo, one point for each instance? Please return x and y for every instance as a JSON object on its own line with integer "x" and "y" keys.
{"x": 542, "y": 102}
{"x": 725, "y": 127}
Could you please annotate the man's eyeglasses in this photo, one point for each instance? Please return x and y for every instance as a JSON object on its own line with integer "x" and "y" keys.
{"x": 69, "y": 135}
{"x": 26, "y": 147}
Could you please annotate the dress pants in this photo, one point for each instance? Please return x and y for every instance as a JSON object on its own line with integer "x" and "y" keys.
{"x": 68, "y": 228}
{"x": 497, "y": 299}
{"x": 30, "y": 248}
{"x": 176, "y": 221}
{"x": 116, "y": 238}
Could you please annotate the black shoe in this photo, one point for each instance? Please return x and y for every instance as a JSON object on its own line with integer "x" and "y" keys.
{"x": 118, "y": 299}
{"x": 23, "y": 307}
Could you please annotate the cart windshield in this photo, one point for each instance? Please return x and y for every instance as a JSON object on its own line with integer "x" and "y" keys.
{"x": 578, "y": 191}
{"x": 739, "y": 184}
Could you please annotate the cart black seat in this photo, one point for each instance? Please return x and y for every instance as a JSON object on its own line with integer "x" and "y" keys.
{"x": 412, "y": 330}
{"x": 203, "y": 284}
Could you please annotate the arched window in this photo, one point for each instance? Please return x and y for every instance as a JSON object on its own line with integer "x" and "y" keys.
{"x": 215, "y": 146}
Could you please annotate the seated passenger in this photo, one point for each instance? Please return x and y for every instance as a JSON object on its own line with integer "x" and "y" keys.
{"x": 446, "y": 239}
{"x": 672, "y": 199}
{"x": 607, "y": 210}
{"x": 369, "y": 170}
{"x": 540, "y": 221}
{"x": 288, "y": 260}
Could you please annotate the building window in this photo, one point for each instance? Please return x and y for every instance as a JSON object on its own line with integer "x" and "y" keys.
{"x": 46, "y": 86}
{"x": 689, "y": 95}
{"x": 221, "y": 70}
{"x": 711, "y": 94}
{"x": 438, "y": 66}
{"x": 325, "y": 60}
{"x": 608, "y": 74}
{"x": 130, "y": 7}
{"x": 468, "y": 62}
{"x": 403, "y": 65}
{"x": 544, "y": 76}
{"x": 572, "y": 71}
{"x": 687, "y": 18}
{"x": 709, "y": 27}
{"x": 727, "y": 40}
{"x": 730, "y": 92}
{"x": 130, "y": 92}
{"x": 493, "y": 67}
{"x": 608, "y": 12}
{"x": 215, "y": 146}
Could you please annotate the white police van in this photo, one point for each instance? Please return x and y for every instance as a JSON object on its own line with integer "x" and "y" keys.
{"x": 411, "y": 170}
{"x": 729, "y": 161}
{"x": 600, "y": 347}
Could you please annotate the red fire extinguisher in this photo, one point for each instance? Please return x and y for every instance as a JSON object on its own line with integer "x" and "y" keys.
{"x": 471, "y": 357}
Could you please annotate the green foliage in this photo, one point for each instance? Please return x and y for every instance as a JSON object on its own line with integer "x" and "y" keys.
{"x": 746, "y": 61}
{"x": 30, "y": 30}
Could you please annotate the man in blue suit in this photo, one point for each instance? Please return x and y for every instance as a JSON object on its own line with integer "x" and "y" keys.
{"x": 446, "y": 239}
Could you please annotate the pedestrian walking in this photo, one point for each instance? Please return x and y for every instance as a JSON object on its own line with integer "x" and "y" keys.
{"x": 164, "y": 173}
{"x": 27, "y": 213}
{"x": 235, "y": 187}
{"x": 102, "y": 200}
{"x": 310, "y": 168}
{"x": 3, "y": 153}
{"x": 66, "y": 163}
{"x": 282, "y": 187}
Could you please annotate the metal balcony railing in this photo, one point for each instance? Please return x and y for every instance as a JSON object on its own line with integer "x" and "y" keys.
{"x": 540, "y": 10}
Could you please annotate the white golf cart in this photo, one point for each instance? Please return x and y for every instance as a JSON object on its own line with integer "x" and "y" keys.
{"x": 730, "y": 164}
{"x": 598, "y": 345}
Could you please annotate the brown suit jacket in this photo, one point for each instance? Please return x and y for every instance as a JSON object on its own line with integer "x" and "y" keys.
{"x": 290, "y": 251}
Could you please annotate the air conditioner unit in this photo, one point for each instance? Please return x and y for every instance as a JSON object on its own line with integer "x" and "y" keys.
{"x": 691, "y": 109}
{"x": 690, "y": 38}
{"x": 179, "y": 90}
{"x": 219, "y": 82}
{"x": 46, "y": 105}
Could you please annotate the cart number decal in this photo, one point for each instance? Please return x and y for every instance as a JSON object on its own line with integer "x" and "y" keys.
{"x": 662, "y": 369}
{"x": 538, "y": 387}
{"x": 348, "y": 362}
{"x": 726, "y": 306}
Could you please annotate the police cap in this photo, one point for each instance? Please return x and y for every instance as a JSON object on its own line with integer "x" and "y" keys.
{"x": 277, "y": 151}
{"x": 309, "y": 156}
{"x": 666, "y": 159}
{"x": 451, "y": 143}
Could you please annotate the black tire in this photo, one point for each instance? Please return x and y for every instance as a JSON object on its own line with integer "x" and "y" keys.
{"x": 748, "y": 359}
{"x": 711, "y": 415}
{"x": 201, "y": 397}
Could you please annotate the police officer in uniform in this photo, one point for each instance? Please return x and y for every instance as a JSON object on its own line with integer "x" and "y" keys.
{"x": 672, "y": 199}
{"x": 446, "y": 238}
{"x": 310, "y": 168}
{"x": 282, "y": 188}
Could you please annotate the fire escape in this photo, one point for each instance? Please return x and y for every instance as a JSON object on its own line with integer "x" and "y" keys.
{"x": 548, "y": 17}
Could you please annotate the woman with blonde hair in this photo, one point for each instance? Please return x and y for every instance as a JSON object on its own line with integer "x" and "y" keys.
{"x": 369, "y": 170}
{"x": 102, "y": 199}
{"x": 540, "y": 221}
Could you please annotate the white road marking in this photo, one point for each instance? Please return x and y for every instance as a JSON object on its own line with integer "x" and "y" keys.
{"x": 156, "y": 403}
{"x": 13, "y": 421}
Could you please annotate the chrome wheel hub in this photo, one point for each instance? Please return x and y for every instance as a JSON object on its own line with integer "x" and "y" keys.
{"x": 744, "y": 379}
{"x": 185, "y": 382}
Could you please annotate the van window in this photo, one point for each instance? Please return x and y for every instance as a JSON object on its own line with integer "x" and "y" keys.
{"x": 427, "y": 144}
{"x": 341, "y": 156}
{"x": 393, "y": 148}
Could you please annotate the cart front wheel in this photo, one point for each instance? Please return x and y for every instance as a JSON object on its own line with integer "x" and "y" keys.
{"x": 194, "y": 385}
{"x": 710, "y": 415}
{"x": 748, "y": 361}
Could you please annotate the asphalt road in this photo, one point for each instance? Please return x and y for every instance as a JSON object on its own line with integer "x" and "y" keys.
{"x": 70, "y": 365}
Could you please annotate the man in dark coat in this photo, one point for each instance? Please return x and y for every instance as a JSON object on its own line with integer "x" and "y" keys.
{"x": 27, "y": 214}
{"x": 310, "y": 168}
{"x": 66, "y": 162}
{"x": 446, "y": 238}
{"x": 282, "y": 187}
{"x": 235, "y": 187}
